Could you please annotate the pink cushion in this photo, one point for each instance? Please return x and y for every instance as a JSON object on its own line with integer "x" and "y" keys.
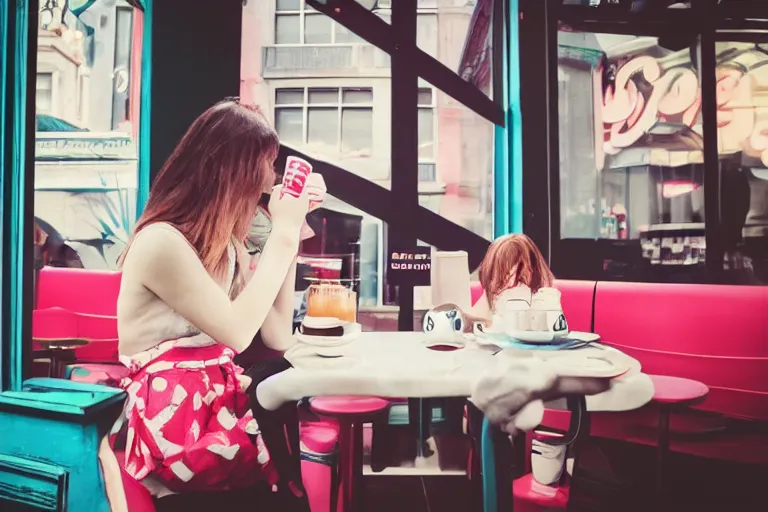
{"x": 89, "y": 295}
{"x": 320, "y": 437}
{"x": 54, "y": 323}
{"x": 348, "y": 405}
{"x": 526, "y": 490}
{"x": 676, "y": 329}
{"x": 79, "y": 290}
{"x": 674, "y": 390}
{"x": 577, "y": 303}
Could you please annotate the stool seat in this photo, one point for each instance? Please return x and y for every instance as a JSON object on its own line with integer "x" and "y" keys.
{"x": 348, "y": 405}
{"x": 319, "y": 438}
{"x": 529, "y": 491}
{"x": 351, "y": 412}
{"x": 677, "y": 391}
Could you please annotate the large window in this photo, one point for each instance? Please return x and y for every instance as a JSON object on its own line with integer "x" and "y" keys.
{"x": 427, "y": 142}
{"x": 330, "y": 120}
{"x": 638, "y": 156}
{"x": 333, "y": 101}
{"x": 44, "y": 93}
{"x": 742, "y": 128}
{"x": 87, "y": 98}
{"x": 297, "y": 23}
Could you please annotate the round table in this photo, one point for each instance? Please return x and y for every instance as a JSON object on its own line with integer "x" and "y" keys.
{"x": 60, "y": 351}
{"x": 399, "y": 364}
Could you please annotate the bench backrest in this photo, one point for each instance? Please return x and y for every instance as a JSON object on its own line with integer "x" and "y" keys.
{"x": 717, "y": 335}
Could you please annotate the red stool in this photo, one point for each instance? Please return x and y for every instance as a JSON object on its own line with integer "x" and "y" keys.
{"x": 320, "y": 464}
{"x": 672, "y": 393}
{"x": 351, "y": 412}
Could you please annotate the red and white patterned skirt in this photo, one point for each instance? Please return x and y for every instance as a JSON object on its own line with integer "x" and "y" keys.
{"x": 187, "y": 422}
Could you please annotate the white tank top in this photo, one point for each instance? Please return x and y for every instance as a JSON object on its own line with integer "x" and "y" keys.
{"x": 144, "y": 320}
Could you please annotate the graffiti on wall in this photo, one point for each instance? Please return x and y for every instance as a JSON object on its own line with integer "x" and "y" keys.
{"x": 644, "y": 95}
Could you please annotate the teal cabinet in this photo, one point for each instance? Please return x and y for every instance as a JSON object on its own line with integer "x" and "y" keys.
{"x": 49, "y": 443}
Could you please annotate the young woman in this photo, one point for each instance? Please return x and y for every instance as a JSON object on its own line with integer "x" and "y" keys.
{"x": 513, "y": 270}
{"x": 190, "y": 300}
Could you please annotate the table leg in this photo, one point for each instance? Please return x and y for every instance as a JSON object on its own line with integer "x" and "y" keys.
{"x": 419, "y": 424}
{"x": 663, "y": 448}
{"x": 351, "y": 466}
{"x": 506, "y": 457}
{"x": 357, "y": 467}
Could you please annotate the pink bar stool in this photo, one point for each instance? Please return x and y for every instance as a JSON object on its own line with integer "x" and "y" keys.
{"x": 670, "y": 393}
{"x": 351, "y": 412}
{"x": 320, "y": 464}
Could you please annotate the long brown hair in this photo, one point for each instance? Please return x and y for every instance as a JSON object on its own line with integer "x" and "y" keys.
{"x": 512, "y": 260}
{"x": 210, "y": 186}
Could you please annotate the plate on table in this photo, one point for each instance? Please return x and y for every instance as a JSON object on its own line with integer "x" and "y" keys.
{"x": 532, "y": 337}
{"x": 339, "y": 333}
{"x": 586, "y": 337}
{"x": 504, "y": 341}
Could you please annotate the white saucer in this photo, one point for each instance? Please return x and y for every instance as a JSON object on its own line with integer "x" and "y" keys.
{"x": 588, "y": 337}
{"x": 352, "y": 333}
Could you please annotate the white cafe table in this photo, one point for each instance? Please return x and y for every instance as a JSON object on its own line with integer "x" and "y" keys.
{"x": 400, "y": 365}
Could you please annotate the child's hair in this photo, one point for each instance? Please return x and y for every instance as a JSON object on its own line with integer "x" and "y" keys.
{"x": 512, "y": 260}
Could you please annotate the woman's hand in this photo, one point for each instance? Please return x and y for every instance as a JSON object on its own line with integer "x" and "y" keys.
{"x": 244, "y": 381}
{"x": 316, "y": 190}
{"x": 287, "y": 211}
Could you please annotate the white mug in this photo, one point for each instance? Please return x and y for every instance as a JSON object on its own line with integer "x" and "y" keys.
{"x": 445, "y": 325}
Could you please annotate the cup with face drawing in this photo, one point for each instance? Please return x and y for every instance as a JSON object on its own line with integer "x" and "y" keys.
{"x": 448, "y": 325}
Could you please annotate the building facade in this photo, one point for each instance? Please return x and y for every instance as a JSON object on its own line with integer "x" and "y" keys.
{"x": 328, "y": 92}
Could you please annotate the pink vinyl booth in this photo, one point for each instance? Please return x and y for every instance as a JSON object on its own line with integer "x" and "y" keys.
{"x": 80, "y": 304}
{"x": 714, "y": 334}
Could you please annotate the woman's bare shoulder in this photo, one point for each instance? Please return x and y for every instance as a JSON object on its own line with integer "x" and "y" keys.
{"x": 158, "y": 242}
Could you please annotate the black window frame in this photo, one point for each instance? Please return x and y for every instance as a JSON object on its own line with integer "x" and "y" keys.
{"x": 408, "y": 222}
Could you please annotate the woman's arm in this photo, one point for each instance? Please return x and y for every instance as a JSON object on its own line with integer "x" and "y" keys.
{"x": 277, "y": 330}
{"x": 164, "y": 262}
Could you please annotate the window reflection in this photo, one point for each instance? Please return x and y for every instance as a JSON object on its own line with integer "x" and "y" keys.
{"x": 631, "y": 146}
{"x": 742, "y": 90}
{"x": 88, "y": 71}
